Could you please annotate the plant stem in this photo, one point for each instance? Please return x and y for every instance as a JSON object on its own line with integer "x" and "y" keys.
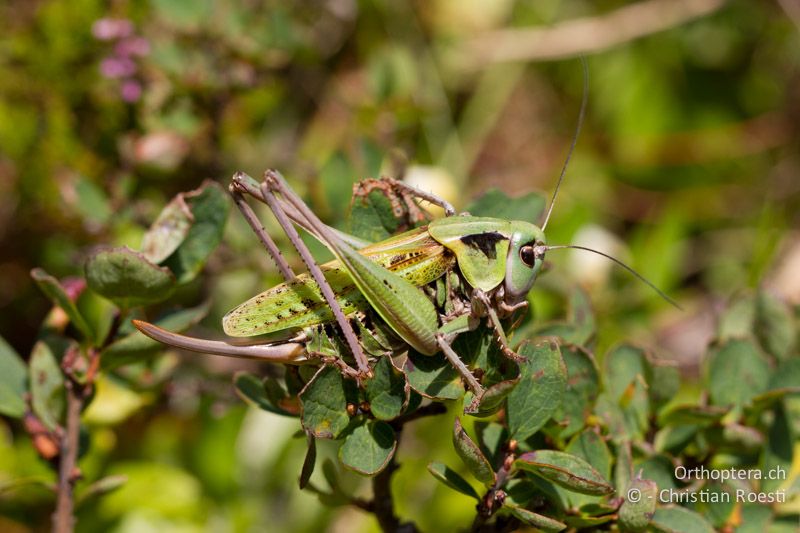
{"x": 63, "y": 519}
{"x": 383, "y": 502}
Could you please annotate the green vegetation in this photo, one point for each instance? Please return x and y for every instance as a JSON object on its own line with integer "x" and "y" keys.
{"x": 119, "y": 130}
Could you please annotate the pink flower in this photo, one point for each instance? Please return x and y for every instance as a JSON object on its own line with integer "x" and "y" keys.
{"x": 131, "y": 90}
{"x": 132, "y": 46}
{"x": 107, "y": 29}
{"x": 117, "y": 67}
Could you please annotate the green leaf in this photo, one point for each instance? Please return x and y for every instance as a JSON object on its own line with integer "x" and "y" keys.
{"x": 492, "y": 400}
{"x": 495, "y": 203}
{"x": 691, "y": 414}
{"x": 539, "y": 392}
{"x": 591, "y": 447}
{"x": 639, "y": 506}
{"x": 372, "y": 217}
{"x": 628, "y": 373}
{"x": 472, "y": 456}
{"x": 251, "y": 389}
{"x": 755, "y": 518}
{"x": 433, "y": 376}
{"x": 674, "y": 519}
{"x": 665, "y": 384}
{"x": 168, "y": 231}
{"x": 46, "y": 386}
{"x": 369, "y": 448}
{"x": 309, "y": 462}
{"x": 583, "y": 384}
{"x": 737, "y": 319}
{"x": 53, "y": 290}
{"x": 566, "y": 470}
{"x": 324, "y": 404}
{"x": 623, "y": 468}
{"x": 492, "y": 438}
{"x": 737, "y": 372}
{"x": 660, "y": 469}
{"x": 774, "y": 326}
{"x": 779, "y": 452}
{"x": 540, "y": 522}
{"x": 134, "y": 346}
{"x": 92, "y": 201}
{"x": 452, "y": 479}
{"x": 210, "y": 206}
{"x": 13, "y": 381}
{"x": 386, "y": 392}
{"x": 581, "y": 317}
{"x": 128, "y": 279}
{"x": 787, "y": 376}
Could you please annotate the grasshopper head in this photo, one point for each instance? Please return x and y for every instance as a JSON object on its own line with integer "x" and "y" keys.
{"x": 525, "y": 257}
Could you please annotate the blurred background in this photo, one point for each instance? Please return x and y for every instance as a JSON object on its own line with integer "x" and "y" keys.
{"x": 687, "y": 167}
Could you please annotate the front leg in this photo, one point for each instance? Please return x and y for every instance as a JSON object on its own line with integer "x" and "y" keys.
{"x": 488, "y": 309}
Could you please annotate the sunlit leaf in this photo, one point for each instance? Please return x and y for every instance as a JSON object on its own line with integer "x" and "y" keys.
{"x": 471, "y": 455}
{"x": 540, "y": 390}
{"x": 324, "y": 404}
{"x": 369, "y": 448}
{"x": 46, "y": 385}
{"x": 127, "y": 278}
{"x": 566, "y": 470}
{"x": 386, "y": 391}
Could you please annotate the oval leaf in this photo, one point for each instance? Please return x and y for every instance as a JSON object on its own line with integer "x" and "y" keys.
{"x": 13, "y": 381}
{"x": 639, "y": 506}
{"x": 210, "y": 206}
{"x": 368, "y": 449}
{"x": 325, "y": 404}
{"x": 452, "y": 479}
{"x": 538, "y": 395}
{"x": 583, "y": 384}
{"x": 46, "y": 385}
{"x": 168, "y": 231}
{"x": 627, "y": 374}
{"x": 567, "y": 470}
{"x": 737, "y": 372}
{"x": 433, "y": 376}
{"x": 386, "y": 391}
{"x": 774, "y": 326}
{"x": 471, "y": 454}
{"x": 127, "y": 278}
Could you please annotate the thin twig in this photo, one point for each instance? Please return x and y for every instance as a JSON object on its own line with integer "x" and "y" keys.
{"x": 63, "y": 519}
{"x": 584, "y": 35}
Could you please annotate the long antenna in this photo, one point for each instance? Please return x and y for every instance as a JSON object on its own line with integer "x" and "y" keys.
{"x": 623, "y": 265}
{"x": 581, "y": 114}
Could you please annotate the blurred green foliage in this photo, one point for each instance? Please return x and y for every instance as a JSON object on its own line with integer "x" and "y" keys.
{"x": 687, "y": 168}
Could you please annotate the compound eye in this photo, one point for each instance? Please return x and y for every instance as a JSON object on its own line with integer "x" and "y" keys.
{"x": 528, "y": 255}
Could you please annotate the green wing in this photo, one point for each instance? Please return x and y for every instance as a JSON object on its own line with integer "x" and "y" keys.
{"x": 413, "y": 255}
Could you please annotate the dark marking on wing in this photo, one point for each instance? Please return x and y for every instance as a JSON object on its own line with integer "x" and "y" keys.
{"x": 485, "y": 242}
